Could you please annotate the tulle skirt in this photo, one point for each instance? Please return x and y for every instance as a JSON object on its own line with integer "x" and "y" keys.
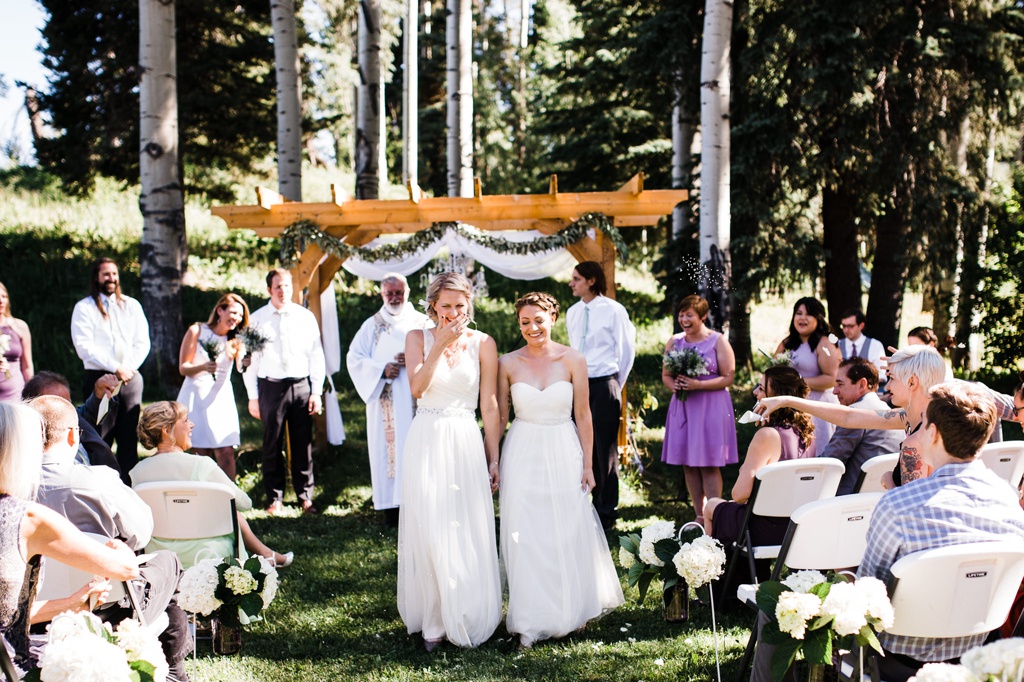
{"x": 449, "y": 585}
{"x": 559, "y": 569}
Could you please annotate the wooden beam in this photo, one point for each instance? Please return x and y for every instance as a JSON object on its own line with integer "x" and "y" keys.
{"x": 267, "y": 198}
{"x": 635, "y": 185}
{"x": 553, "y": 185}
{"x": 488, "y": 212}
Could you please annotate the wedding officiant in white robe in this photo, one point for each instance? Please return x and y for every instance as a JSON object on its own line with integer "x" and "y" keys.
{"x": 376, "y": 363}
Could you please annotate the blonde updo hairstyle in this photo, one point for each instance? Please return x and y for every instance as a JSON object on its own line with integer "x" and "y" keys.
{"x": 448, "y": 281}
{"x": 157, "y": 418}
{"x": 539, "y": 299}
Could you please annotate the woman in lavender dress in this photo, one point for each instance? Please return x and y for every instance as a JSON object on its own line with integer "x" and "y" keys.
{"x": 815, "y": 357}
{"x": 700, "y": 432}
{"x": 15, "y": 351}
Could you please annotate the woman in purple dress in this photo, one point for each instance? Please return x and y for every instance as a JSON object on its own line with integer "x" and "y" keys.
{"x": 815, "y": 357}
{"x": 15, "y": 352}
{"x": 700, "y": 431}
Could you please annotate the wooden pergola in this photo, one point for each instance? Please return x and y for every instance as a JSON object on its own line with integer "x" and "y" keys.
{"x": 357, "y": 222}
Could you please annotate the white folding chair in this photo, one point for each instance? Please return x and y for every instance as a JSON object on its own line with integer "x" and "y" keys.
{"x": 191, "y": 510}
{"x": 823, "y": 535}
{"x": 1006, "y": 460}
{"x": 954, "y": 591}
{"x": 7, "y": 665}
{"x": 870, "y": 479}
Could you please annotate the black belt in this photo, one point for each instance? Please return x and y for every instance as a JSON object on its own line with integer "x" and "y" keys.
{"x": 287, "y": 380}
{"x": 607, "y": 377}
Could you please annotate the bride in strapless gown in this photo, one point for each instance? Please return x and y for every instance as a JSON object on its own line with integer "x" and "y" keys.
{"x": 559, "y": 569}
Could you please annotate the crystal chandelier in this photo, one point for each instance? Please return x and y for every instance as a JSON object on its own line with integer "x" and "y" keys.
{"x": 461, "y": 264}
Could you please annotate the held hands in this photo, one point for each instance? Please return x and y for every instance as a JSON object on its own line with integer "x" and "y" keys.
{"x": 587, "y": 482}
{"x": 391, "y": 370}
{"x": 494, "y": 474}
{"x": 687, "y": 383}
{"x": 105, "y": 386}
{"x": 124, "y": 374}
{"x": 210, "y": 367}
{"x": 93, "y": 594}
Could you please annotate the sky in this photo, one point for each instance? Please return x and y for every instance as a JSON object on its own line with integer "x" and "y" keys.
{"x": 19, "y": 61}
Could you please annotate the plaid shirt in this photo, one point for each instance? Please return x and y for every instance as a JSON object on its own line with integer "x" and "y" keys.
{"x": 958, "y": 503}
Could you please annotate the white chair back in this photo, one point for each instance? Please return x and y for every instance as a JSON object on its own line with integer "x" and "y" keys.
{"x": 955, "y": 591}
{"x": 1006, "y": 460}
{"x": 59, "y": 581}
{"x": 830, "y": 534}
{"x": 786, "y": 486}
{"x": 189, "y": 510}
{"x": 872, "y": 470}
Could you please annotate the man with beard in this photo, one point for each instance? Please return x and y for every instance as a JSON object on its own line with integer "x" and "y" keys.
{"x": 111, "y": 336}
{"x": 376, "y": 363}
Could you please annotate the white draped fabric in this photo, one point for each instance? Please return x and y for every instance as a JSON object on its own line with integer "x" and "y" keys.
{"x": 528, "y": 267}
{"x": 331, "y": 341}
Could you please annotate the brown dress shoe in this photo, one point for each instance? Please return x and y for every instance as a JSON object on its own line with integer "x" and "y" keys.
{"x": 308, "y": 508}
{"x": 275, "y": 508}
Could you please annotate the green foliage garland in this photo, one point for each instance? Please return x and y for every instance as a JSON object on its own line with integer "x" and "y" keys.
{"x": 307, "y": 231}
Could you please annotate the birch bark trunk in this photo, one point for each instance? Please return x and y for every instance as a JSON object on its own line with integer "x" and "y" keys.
{"x": 289, "y": 101}
{"x": 368, "y": 102}
{"x": 459, "y": 61}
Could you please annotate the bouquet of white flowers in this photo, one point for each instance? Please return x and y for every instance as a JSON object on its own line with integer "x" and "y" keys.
{"x": 812, "y": 612}
{"x": 687, "y": 362}
{"x": 5, "y": 347}
{"x": 1000, "y": 661}
{"x": 657, "y": 552}
{"x": 81, "y": 648}
{"x": 233, "y": 592}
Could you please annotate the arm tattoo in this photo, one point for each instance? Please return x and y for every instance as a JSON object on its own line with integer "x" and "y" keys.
{"x": 891, "y": 414}
{"x": 911, "y": 465}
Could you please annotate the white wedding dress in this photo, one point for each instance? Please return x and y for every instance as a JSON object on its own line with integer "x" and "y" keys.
{"x": 560, "y": 572}
{"x": 449, "y": 585}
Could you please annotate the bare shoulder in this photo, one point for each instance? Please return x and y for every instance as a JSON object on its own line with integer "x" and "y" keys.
{"x": 20, "y": 327}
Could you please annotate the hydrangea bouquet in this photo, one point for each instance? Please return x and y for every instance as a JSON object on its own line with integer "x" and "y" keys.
{"x": 5, "y": 347}
{"x": 814, "y": 613}
{"x": 1000, "y": 661}
{"x": 686, "y": 362}
{"x": 658, "y": 552}
{"x": 233, "y": 592}
{"x": 81, "y": 648}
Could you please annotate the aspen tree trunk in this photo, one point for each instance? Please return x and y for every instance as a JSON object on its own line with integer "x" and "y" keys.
{"x": 459, "y": 61}
{"x": 289, "y": 102}
{"x": 163, "y": 251}
{"x": 411, "y": 94}
{"x": 715, "y": 166}
{"x": 368, "y": 102}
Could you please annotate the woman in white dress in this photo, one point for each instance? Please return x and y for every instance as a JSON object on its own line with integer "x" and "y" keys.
{"x": 449, "y": 585}
{"x": 206, "y": 391}
{"x": 560, "y": 572}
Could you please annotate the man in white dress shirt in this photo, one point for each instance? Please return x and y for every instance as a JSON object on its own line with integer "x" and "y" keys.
{"x": 111, "y": 336}
{"x": 284, "y": 383}
{"x": 600, "y": 329}
{"x": 376, "y": 363}
{"x": 855, "y": 345}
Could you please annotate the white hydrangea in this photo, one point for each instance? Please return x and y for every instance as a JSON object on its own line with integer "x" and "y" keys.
{"x": 793, "y": 611}
{"x": 803, "y": 581}
{"x": 239, "y": 581}
{"x": 943, "y": 672}
{"x": 141, "y": 645}
{"x": 847, "y": 606}
{"x": 198, "y": 585}
{"x": 626, "y": 558}
{"x": 659, "y": 530}
{"x": 83, "y": 657}
{"x": 701, "y": 561}
{"x": 876, "y": 598}
{"x": 271, "y": 581}
{"x": 1003, "y": 659}
{"x": 70, "y": 624}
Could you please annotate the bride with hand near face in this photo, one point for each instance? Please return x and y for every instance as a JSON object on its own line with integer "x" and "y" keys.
{"x": 560, "y": 572}
{"x": 449, "y": 586}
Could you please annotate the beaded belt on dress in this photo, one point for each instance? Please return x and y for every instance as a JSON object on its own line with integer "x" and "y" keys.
{"x": 554, "y": 422}
{"x": 446, "y": 411}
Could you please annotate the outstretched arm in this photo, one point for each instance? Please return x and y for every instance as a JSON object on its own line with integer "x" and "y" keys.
{"x": 840, "y": 415}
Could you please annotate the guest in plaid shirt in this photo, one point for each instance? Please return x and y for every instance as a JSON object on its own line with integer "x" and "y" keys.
{"x": 962, "y": 501}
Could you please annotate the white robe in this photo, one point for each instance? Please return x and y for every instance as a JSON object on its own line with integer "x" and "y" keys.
{"x": 366, "y": 361}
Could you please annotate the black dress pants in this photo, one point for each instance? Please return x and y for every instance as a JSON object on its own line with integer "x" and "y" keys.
{"x": 605, "y": 411}
{"x": 126, "y": 420}
{"x": 284, "y": 404}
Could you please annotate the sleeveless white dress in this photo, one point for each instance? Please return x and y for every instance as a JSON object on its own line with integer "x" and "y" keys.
{"x": 209, "y": 398}
{"x": 449, "y": 585}
{"x": 560, "y": 572}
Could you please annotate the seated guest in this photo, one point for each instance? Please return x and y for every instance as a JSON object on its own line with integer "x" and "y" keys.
{"x": 29, "y": 531}
{"x": 92, "y": 449}
{"x": 96, "y": 501}
{"x": 962, "y": 501}
{"x": 855, "y": 387}
{"x": 165, "y": 426}
{"x": 786, "y": 435}
{"x": 926, "y": 336}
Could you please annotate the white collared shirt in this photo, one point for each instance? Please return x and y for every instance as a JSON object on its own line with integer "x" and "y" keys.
{"x": 611, "y": 337}
{"x": 121, "y": 339}
{"x": 293, "y": 348}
